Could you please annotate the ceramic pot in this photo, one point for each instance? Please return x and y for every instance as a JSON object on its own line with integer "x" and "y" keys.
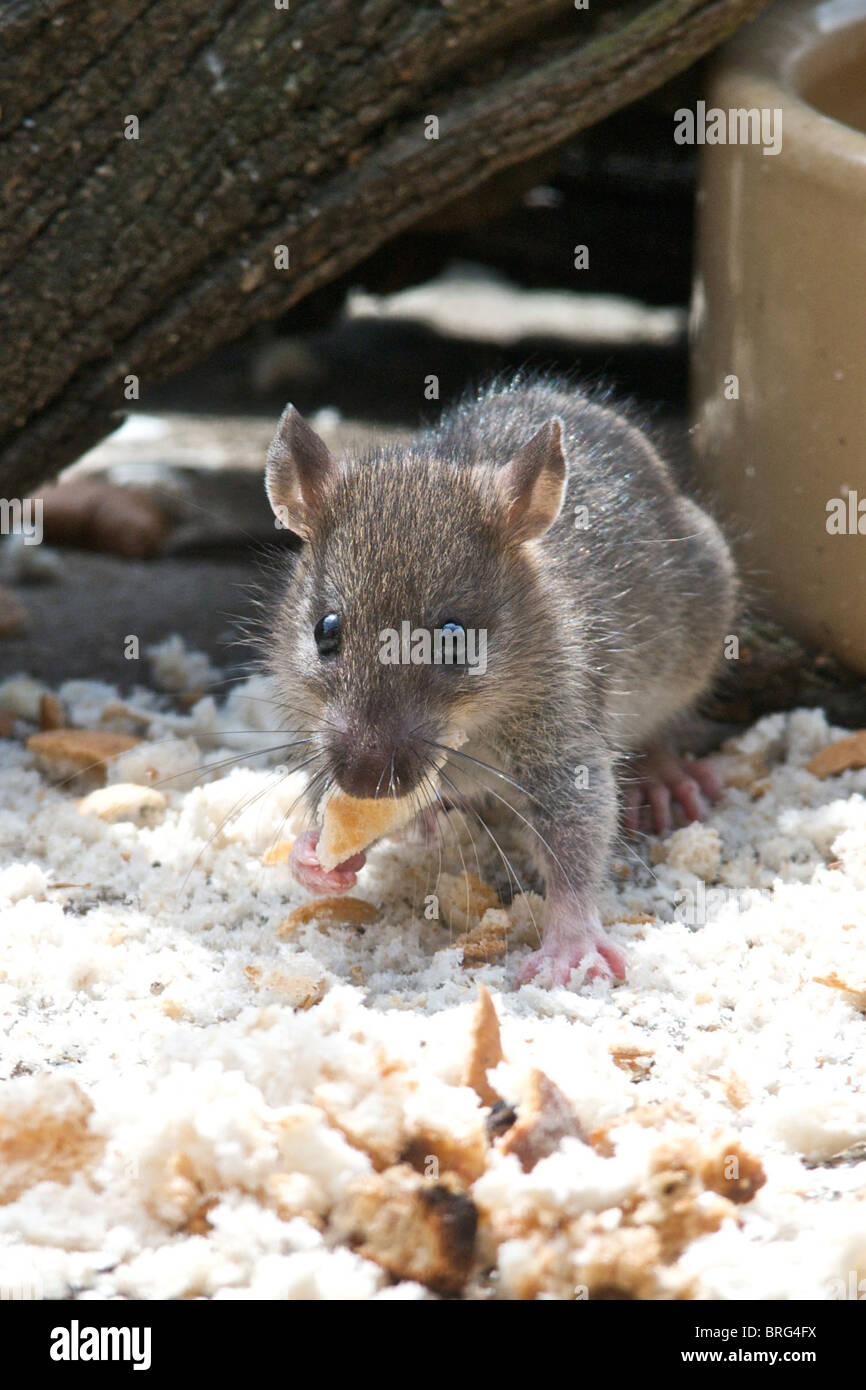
{"x": 779, "y": 318}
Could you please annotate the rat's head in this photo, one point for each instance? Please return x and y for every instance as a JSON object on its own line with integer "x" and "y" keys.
{"x": 412, "y": 617}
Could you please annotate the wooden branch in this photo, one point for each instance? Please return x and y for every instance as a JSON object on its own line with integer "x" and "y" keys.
{"x": 258, "y": 128}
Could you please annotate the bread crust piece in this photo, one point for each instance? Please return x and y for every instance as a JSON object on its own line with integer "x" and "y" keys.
{"x": 350, "y": 824}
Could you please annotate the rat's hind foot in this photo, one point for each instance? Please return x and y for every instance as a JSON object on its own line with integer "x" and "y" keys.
{"x": 659, "y": 778}
{"x": 573, "y": 936}
{"x": 305, "y": 866}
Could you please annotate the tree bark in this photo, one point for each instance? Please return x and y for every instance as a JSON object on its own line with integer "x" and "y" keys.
{"x": 259, "y": 127}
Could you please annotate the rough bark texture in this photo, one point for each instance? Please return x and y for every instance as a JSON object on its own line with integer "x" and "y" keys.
{"x": 259, "y": 127}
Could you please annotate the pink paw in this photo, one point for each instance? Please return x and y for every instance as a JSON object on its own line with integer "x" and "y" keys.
{"x": 661, "y": 779}
{"x": 305, "y": 866}
{"x": 561, "y": 952}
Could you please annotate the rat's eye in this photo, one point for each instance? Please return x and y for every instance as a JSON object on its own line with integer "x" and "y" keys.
{"x": 327, "y": 634}
{"x": 453, "y": 643}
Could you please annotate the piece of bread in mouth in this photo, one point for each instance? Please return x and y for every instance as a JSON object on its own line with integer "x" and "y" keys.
{"x": 351, "y": 823}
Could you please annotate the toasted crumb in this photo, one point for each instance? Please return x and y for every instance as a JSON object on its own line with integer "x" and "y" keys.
{"x": 857, "y": 992}
{"x": 350, "y": 824}
{"x": 123, "y": 801}
{"x": 80, "y": 753}
{"x": 841, "y": 756}
{"x": 632, "y": 1059}
{"x": 350, "y": 912}
{"x": 734, "y": 1173}
{"x": 486, "y": 1049}
{"x": 278, "y": 853}
{"x": 697, "y": 848}
{"x": 759, "y": 789}
{"x": 487, "y": 942}
{"x": 298, "y": 991}
{"x": 464, "y": 899}
{"x": 45, "y": 1138}
{"x": 737, "y": 1091}
{"x": 50, "y": 712}
{"x": 544, "y": 1119}
{"x": 413, "y": 1227}
{"x": 739, "y": 769}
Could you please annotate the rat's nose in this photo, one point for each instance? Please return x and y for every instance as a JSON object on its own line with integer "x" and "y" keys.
{"x": 378, "y": 768}
{"x": 365, "y": 774}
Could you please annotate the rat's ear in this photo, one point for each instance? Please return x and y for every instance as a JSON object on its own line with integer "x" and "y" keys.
{"x": 532, "y": 484}
{"x": 299, "y": 469}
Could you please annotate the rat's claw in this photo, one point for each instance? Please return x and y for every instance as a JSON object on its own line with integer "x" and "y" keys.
{"x": 305, "y": 866}
{"x": 568, "y": 943}
{"x": 702, "y": 770}
{"x": 662, "y": 779}
{"x": 604, "y": 961}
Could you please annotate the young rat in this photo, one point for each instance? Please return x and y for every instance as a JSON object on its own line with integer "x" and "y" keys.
{"x": 548, "y": 523}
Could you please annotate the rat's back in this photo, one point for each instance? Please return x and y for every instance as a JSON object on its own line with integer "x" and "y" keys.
{"x": 642, "y": 569}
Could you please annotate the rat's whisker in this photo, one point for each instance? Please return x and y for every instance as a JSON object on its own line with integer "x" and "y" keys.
{"x": 513, "y": 809}
{"x": 458, "y": 808}
{"x": 228, "y": 762}
{"x": 243, "y": 804}
{"x": 446, "y": 748}
{"x": 513, "y": 877}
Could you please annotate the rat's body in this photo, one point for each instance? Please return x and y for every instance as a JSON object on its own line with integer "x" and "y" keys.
{"x": 549, "y": 522}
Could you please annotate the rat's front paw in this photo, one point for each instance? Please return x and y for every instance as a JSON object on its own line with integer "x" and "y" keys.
{"x": 573, "y": 938}
{"x": 305, "y": 866}
{"x": 661, "y": 779}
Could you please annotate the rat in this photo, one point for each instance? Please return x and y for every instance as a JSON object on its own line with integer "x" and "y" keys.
{"x": 542, "y": 517}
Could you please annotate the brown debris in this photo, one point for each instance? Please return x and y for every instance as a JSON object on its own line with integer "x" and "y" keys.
{"x": 123, "y": 801}
{"x": 647, "y": 1116}
{"x": 49, "y": 1140}
{"x": 411, "y": 1226}
{"x": 737, "y": 1092}
{"x": 844, "y": 754}
{"x": 734, "y": 1173}
{"x": 80, "y": 753}
{"x": 486, "y": 943}
{"x": 298, "y": 991}
{"x": 51, "y": 714}
{"x": 857, "y": 992}
{"x": 461, "y": 1158}
{"x": 621, "y": 1264}
{"x": 464, "y": 899}
{"x": 544, "y": 1119}
{"x": 278, "y": 853}
{"x": 486, "y": 1049}
{"x": 182, "y": 1192}
{"x": 329, "y": 912}
{"x": 673, "y": 1201}
{"x": 739, "y": 769}
{"x": 632, "y": 1059}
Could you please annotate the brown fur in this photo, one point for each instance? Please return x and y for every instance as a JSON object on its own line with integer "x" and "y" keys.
{"x": 597, "y": 638}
